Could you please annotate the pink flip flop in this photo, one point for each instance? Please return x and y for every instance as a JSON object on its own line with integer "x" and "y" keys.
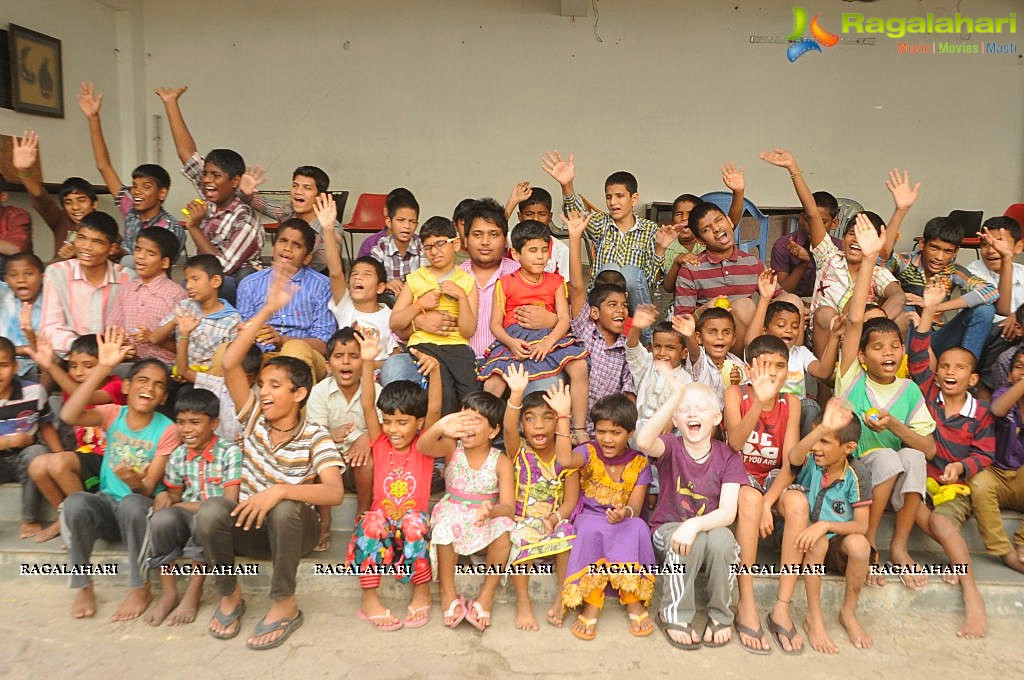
{"x": 410, "y": 622}
{"x": 391, "y": 627}
{"x": 475, "y": 613}
{"x": 450, "y": 612}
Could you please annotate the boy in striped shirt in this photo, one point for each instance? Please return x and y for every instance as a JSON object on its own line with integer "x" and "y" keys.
{"x": 964, "y": 436}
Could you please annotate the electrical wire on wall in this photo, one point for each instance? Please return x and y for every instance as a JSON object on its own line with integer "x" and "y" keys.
{"x": 597, "y": 20}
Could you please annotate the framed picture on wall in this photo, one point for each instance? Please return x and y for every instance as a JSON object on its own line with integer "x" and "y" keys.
{"x": 37, "y": 77}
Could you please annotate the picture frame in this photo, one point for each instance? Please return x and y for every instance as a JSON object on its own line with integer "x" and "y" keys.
{"x": 37, "y": 73}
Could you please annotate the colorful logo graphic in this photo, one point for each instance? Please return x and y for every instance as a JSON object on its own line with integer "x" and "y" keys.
{"x": 804, "y": 45}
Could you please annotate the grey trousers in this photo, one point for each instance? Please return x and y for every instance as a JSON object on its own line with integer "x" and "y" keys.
{"x": 14, "y": 468}
{"x": 288, "y": 533}
{"x": 88, "y": 516}
{"x": 172, "y": 535}
{"x": 713, "y": 550}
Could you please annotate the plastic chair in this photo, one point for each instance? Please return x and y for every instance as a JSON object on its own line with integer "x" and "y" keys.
{"x": 1016, "y": 211}
{"x": 368, "y": 218}
{"x": 847, "y": 209}
{"x": 723, "y": 199}
{"x": 970, "y": 220}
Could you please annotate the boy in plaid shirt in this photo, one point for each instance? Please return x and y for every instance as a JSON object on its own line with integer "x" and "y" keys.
{"x": 204, "y": 466}
{"x": 964, "y": 437}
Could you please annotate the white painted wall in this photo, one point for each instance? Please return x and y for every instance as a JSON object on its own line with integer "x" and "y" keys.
{"x": 459, "y": 98}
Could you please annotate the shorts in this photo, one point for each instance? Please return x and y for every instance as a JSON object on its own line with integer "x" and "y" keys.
{"x": 908, "y": 464}
{"x": 763, "y": 486}
{"x": 836, "y": 560}
{"x": 89, "y": 470}
{"x": 958, "y": 509}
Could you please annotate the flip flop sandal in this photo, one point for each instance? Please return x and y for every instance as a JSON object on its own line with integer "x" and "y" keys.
{"x": 714, "y": 627}
{"x": 288, "y": 626}
{"x": 587, "y": 623}
{"x": 391, "y": 627}
{"x": 450, "y": 612}
{"x": 750, "y": 632}
{"x": 683, "y": 628}
{"x": 476, "y": 614}
{"x": 908, "y": 582}
{"x": 323, "y": 544}
{"x": 634, "y": 625}
{"x": 411, "y": 622}
{"x": 778, "y": 632}
{"x": 226, "y": 620}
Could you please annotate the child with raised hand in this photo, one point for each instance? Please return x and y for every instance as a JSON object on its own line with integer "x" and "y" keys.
{"x": 784, "y": 320}
{"x": 396, "y": 529}
{"x": 611, "y": 539}
{"x": 546, "y": 493}
{"x": 826, "y": 516}
{"x": 965, "y": 443}
{"x": 898, "y": 428}
{"x": 708, "y": 341}
{"x": 668, "y": 349}
{"x": 205, "y": 321}
{"x": 701, "y": 480}
{"x": 59, "y": 474}
{"x": 543, "y": 353}
{"x": 762, "y": 423}
{"x": 476, "y": 510}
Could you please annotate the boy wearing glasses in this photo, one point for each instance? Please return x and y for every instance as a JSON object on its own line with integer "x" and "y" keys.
{"x": 442, "y": 286}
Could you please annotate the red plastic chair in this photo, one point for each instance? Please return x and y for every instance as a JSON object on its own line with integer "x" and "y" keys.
{"x": 368, "y": 218}
{"x": 1016, "y": 211}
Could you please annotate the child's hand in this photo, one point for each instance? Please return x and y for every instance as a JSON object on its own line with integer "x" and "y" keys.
{"x": 187, "y": 321}
{"x": 521, "y": 349}
{"x": 394, "y": 286}
{"x": 798, "y": 251}
{"x": 878, "y": 422}
{"x": 128, "y": 475}
{"x": 25, "y": 323}
{"x": 767, "y": 527}
{"x": 483, "y": 513}
{"x": 677, "y": 380}
{"x": 454, "y": 425}
{"x": 194, "y": 213}
{"x": 733, "y": 178}
{"x": 562, "y": 170}
{"x": 66, "y": 251}
{"x": 520, "y": 192}
{"x": 767, "y": 283}
{"x": 616, "y": 514}
{"x": 665, "y": 235}
{"x": 517, "y": 378}
{"x": 430, "y": 300}
{"x": 25, "y": 150}
{"x": 682, "y": 538}
{"x": 951, "y": 473}
{"x": 162, "y": 500}
{"x": 88, "y": 101}
{"x": 280, "y": 291}
{"x": 903, "y": 195}
{"x": 341, "y": 432}
{"x": 359, "y": 454}
{"x": 427, "y": 364}
{"x": 170, "y": 94}
{"x": 369, "y": 343}
{"x": 326, "y": 212}
{"x": 836, "y": 415}
{"x": 141, "y": 336}
{"x": 688, "y": 259}
{"x": 42, "y": 353}
{"x": 557, "y": 397}
{"x": 997, "y": 243}
{"x": 453, "y": 290}
{"x": 541, "y": 350}
{"x": 254, "y": 176}
{"x": 576, "y": 222}
{"x": 934, "y": 293}
{"x": 735, "y": 375}
{"x": 1010, "y": 329}
{"x": 268, "y": 335}
{"x": 837, "y": 325}
{"x": 685, "y": 325}
{"x": 765, "y": 388}
{"x": 806, "y": 539}
{"x": 779, "y": 157}
{"x": 112, "y": 347}
{"x": 645, "y": 316}
{"x": 869, "y": 240}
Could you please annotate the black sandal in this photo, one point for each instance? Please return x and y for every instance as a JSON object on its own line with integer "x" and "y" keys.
{"x": 683, "y": 628}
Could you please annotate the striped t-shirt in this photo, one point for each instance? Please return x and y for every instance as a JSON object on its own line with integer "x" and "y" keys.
{"x": 296, "y": 461}
{"x": 734, "y": 277}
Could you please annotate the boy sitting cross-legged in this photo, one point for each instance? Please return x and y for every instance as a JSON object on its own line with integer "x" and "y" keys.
{"x": 700, "y": 483}
{"x": 204, "y": 466}
{"x": 826, "y": 515}
{"x": 139, "y": 441}
{"x": 965, "y": 443}
{"x": 290, "y": 466}
{"x": 897, "y": 433}
{"x": 762, "y": 423}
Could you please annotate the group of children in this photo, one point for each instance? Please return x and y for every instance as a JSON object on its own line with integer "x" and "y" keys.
{"x": 573, "y": 423}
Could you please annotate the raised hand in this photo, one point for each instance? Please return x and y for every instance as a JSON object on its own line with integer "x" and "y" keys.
{"x": 112, "y": 347}
{"x": 767, "y": 283}
{"x": 455, "y": 425}
{"x": 42, "y": 353}
{"x": 869, "y": 240}
{"x": 170, "y": 94}
{"x": 645, "y": 316}
{"x": 576, "y": 222}
{"x": 837, "y": 414}
{"x": 280, "y": 291}
{"x": 88, "y": 101}
{"x": 564, "y": 171}
{"x": 557, "y": 397}
{"x": 798, "y": 251}
{"x": 254, "y": 176}
{"x": 517, "y": 378}
{"x": 688, "y": 259}
{"x": 326, "y": 212}
{"x": 733, "y": 178}
{"x": 665, "y": 235}
{"x": 779, "y": 157}
{"x": 25, "y": 323}
{"x": 25, "y": 150}
{"x": 903, "y": 195}
{"x": 427, "y": 364}
{"x": 837, "y": 324}
{"x": 520, "y": 192}
{"x": 934, "y": 292}
{"x": 765, "y": 388}
{"x": 369, "y": 343}
{"x": 997, "y": 242}
{"x": 685, "y": 325}
{"x": 430, "y": 299}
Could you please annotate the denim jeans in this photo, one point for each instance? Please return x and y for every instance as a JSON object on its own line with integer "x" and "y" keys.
{"x": 636, "y": 284}
{"x": 968, "y": 329}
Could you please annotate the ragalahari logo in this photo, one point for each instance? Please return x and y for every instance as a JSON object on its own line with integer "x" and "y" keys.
{"x": 804, "y": 45}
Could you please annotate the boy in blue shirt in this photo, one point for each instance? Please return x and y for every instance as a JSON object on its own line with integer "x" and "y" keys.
{"x": 139, "y": 441}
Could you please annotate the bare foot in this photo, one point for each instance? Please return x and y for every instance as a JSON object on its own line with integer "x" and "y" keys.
{"x": 30, "y": 529}
{"x": 324, "y": 542}
{"x": 1014, "y": 561}
{"x": 556, "y": 614}
{"x": 525, "y": 619}
{"x": 156, "y": 615}
{"x": 875, "y": 580}
{"x": 743, "y": 618}
{"x": 950, "y": 579}
{"x": 818, "y": 637}
{"x": 133, "y": 606}
{"x": 49, "y": 533}
{"x": 185, "y": 612}
{"x": 975, "y": 620}
{"x": 84, "y": 604}
{"x": 1020, "y": 552}
{"x": 858, "y": 636}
